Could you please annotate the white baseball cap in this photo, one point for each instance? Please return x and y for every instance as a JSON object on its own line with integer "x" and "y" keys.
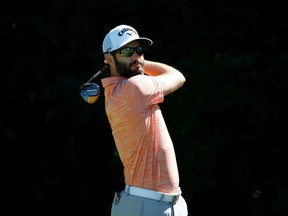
{"x": 120, "y": 36}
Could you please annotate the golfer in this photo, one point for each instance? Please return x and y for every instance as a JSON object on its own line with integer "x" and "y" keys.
{"x": 132, "y": 92}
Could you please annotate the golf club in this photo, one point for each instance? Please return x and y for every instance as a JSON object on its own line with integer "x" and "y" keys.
{"x": 89, "y": 91}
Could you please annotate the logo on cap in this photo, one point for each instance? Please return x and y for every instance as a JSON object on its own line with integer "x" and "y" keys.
{"x": 122, "y": 32}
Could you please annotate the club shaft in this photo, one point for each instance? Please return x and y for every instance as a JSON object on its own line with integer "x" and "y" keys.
{"x": 98, "y": 73}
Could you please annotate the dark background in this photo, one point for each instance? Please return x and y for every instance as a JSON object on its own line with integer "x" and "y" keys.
{"x": 228, "y": 122}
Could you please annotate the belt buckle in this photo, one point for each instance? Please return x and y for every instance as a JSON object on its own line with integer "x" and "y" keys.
{"x": 175, "y": 199}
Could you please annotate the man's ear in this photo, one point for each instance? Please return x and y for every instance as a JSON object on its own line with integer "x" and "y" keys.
{"x": 108, "y": 59}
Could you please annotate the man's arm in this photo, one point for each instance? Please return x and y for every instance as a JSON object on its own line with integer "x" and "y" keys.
{"x": 170, "y": 78}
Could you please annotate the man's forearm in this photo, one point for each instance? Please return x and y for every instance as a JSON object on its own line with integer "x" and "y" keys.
{"x": 170, "y": 78}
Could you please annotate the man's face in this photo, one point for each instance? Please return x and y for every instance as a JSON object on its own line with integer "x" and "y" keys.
{"x": 131, "y": 65}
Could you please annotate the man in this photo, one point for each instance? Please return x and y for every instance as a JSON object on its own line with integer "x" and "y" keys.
{"x": 132, "y": 94}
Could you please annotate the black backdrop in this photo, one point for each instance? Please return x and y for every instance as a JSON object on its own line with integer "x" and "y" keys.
{"x": 228, "y": 122}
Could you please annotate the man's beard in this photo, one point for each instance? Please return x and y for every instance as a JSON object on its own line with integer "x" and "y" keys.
{"x": 125, "y": 71}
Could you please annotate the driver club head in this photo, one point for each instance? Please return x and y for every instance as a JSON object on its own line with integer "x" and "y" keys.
{"x": 90, "y": 92}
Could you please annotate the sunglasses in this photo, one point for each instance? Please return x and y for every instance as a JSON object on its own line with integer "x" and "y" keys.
{"x": 129, "y": 51}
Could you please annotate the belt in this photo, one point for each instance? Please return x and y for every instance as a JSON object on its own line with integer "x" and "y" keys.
{"x": 161, "y": 197}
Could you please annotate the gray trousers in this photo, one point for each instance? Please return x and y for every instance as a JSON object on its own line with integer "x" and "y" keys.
{"x": 129, "y": 205}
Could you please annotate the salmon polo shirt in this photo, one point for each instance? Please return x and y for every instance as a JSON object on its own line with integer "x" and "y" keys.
{"x": 140, "y": 133}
